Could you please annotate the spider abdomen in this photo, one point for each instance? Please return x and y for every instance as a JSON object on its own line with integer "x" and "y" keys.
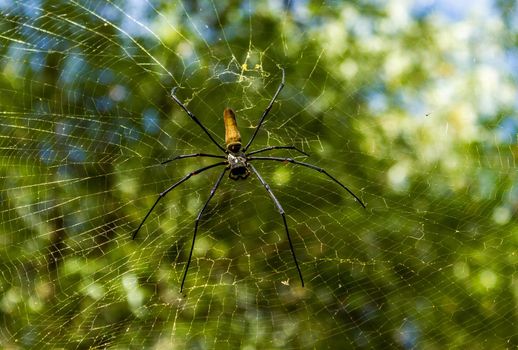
{"x": 232, "y": 136}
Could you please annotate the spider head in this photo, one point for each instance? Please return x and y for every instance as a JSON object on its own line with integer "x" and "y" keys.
{"x": 238, "y": 166}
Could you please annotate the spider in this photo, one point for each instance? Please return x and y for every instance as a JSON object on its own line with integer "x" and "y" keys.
{"x": 237, "y": 162}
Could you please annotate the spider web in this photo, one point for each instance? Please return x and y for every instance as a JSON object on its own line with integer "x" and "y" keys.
{"x": 411, "y": 105}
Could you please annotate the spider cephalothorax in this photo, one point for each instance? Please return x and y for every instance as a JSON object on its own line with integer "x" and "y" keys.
{"x": 238, "y": 166}
{"x": 237, "y": 162}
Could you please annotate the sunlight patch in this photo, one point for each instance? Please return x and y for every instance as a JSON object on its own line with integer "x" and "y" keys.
{"x": 488, "y": 279}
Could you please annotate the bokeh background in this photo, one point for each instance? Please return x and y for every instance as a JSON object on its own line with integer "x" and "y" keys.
{"x": 412, "y": 104}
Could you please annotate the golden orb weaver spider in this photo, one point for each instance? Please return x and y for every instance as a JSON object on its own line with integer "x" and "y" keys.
{"x": 237, "y": 162}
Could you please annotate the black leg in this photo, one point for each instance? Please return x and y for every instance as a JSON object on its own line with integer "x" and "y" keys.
{"x": 182, "y": 156}
{"x": 196, "y": 225}
{"x": 281, "y": 211}
{"x": 278, "y": 147}
{"x": 162, "y": 195}
{"x": 290, "y": 160}
{"x": 267, "y": 110}
{"x": 193, "y": 117}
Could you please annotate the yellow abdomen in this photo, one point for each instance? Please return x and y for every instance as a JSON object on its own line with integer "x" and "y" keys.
{"x": 232, "y": 136}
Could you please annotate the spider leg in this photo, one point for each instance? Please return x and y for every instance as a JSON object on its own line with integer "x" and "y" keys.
{"x": 278, "y": 147}
{"x": 162, "y": 195}
{"x": 193, "y": 117}
{"x": 196, "y": 225}
{"x": 182, "y": 156}
{"x": 311, "y": 166}
{"x": 281, "y": 211}
{"x": 267, "y": 110}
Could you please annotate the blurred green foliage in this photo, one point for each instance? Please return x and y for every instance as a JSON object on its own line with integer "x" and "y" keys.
{"x": 414, "y": 110}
